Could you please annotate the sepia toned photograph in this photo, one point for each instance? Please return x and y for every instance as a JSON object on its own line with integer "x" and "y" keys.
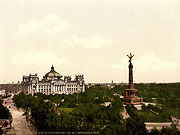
{"x": 89, "y": 67}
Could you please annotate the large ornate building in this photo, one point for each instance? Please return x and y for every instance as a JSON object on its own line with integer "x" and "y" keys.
{"x": 53, "y": 83}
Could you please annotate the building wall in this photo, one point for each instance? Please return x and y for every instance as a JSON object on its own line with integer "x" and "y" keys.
{"x": 54, "y": 86}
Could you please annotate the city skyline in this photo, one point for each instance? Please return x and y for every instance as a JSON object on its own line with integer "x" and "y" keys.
{"x": 90, "y": 38}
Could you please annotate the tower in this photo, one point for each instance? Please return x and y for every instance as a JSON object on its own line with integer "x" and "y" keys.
{"x": 80, "y": 81}
{"x": 131, "y": 94}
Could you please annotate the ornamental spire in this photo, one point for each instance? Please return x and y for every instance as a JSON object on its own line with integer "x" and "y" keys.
{"x": 52, "y": 68}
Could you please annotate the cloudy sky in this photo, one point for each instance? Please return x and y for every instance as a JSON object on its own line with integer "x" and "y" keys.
{"x": 90, "y": 37}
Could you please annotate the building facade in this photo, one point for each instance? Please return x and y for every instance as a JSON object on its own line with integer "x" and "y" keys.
{"x": 53, "y": 83}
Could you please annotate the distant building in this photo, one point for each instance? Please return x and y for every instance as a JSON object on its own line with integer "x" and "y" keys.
{"x": 109, "y": 85}
{"x": 11, "y": 89}
{"x": 2, "y": 92}
{"x": 53, "y": 83}
{"x": 5, "y": 127}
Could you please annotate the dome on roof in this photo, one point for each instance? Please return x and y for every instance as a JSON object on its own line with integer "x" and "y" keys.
{"x": 52, "y": 74}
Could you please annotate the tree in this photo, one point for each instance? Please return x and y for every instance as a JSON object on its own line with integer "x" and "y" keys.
{"x": 154, "y": 131}
{"x": 135, "y": 126}
{"x": 5, "y": 113}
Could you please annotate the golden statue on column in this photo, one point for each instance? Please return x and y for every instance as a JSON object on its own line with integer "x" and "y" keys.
{"x": 131, "y": 94}
{"x": 130, "y": 57}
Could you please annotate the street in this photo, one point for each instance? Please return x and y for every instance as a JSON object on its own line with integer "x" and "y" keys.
{"x": 19, "y": 121}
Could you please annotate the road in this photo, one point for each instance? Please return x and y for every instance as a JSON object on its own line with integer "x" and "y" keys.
{"x": 151, "y": 125}
{"x": 19, "y": 121}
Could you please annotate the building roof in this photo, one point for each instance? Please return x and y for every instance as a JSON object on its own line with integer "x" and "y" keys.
{"x": 52, "y": 73}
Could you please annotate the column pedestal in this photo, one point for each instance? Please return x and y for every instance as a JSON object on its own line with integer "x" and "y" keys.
{"x": 131, "y": 94}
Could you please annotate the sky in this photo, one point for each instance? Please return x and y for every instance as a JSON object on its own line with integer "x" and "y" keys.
{"x": 90, "y": 37}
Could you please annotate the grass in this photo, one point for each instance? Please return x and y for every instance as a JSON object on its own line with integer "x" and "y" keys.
{"x": 67, "y": 110}
{"x": 169, "y": 107}
{"x": 175, "y": 112}
{"x": 148, "y": 116}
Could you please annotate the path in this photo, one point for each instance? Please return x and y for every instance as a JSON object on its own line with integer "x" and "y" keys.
{"x": 19, "y": 121}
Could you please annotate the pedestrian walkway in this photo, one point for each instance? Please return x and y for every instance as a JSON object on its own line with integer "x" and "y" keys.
{"x": 19, "y": 121}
